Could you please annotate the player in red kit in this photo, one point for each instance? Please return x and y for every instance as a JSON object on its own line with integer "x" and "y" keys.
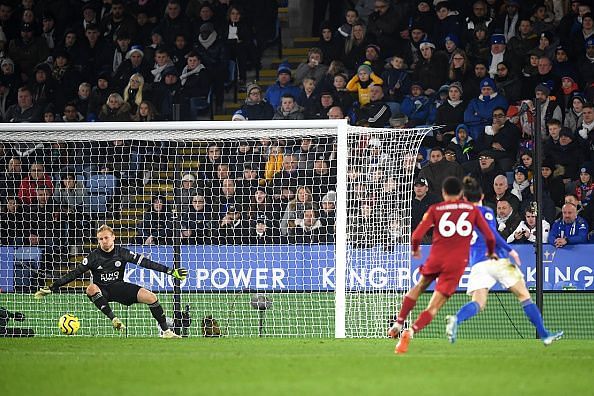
{"x": 453, "y": 221}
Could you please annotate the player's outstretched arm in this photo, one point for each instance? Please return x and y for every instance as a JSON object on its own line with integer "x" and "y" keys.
{"x": 69, "y": 277}
{"x": 140, "y": 259}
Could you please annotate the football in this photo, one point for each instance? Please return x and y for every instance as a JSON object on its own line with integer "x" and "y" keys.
{"x": 68, "y": 324}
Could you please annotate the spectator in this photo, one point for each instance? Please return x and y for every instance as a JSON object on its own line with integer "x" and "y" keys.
{"x": 479, "y": 112}
{"x": 66, "y": 79}
{"x": 507, "y": 218}
{"x": 27, "y": 50}
{"x": 179, "y": 51}
{"x": 36, "y": 179}
{"x": 173, "y": 22}
{"x": 486, "y": 172}
{"x": 260, "y": 204}
{"x": 11, "y": 222}
{"x": 331, "y": 43}
{"x": 450, "y": 114}
{"x": 82, "y": 98}
{"x": 99, "y": 94}
{"x": 195, "y": 223}
{"x": 550, "y": 109}
{"x": 335, "y": 113}
{"x": 472, "y": 86}
{"x": 308, "y": 228}
{"x": 11, "y": 178}
{"x": 121, "y": 48}
{"x": 585, "y": 186}
{"x": 376, "y": 113}
{"x": 24, "y": 110}
{"x": 231, "y": 228}
{"x": 502, "y": 137}
{"x": 262, "y": 231}
{"x": 552, "y": 183}
{"x": 314, "y": 67}
{"x": 322, "y": 178}
{"x": 115, "y": 109}
{"x": 448, "y": 22}
{"x": 146, "y": 112}
{"x": 295, "y": 209}
{"x": 282, "y": 85}
{"x": 526, "y": 230}
{"x": 285, "y": 181}
{"x": 573, "y": 114}
{"x": 396, "y": 81}
{"x": 355, "y": 46}
{"x": 240, "y": 43}
{"x": 71, "y": 113}
{"x": 508, "y": 83}
{"x": 478, "y": 47}
{"x": 580, "y": 37}
{"x": 319, "y": 110}
{"x": 585, "y": 132}
{"x": 134, "y": 63}
{"x": 96, "y": 54}
{"x": 502, "y": 192}
{"x": 524, "y": 40}
{"x": 463, "y": 145}
{"x": 544, "y": 75}
{"x": 342, "y": 96}
{"x": 306, "y": 98}
{"x": 386, "y": 23}
{"x": 416, "y": 106}
{"x": 570, "y": 229}
{"x": 169, "y": 91}
{"x": 510, "y": 21}
{"x": 70, "y": 198}
{"x": 289, "y": 109}
{"x": 135, "y": 92}
{"x": 361, "y": 82}
{"x": 195, "y": 84}
{"x": 421, "y": 201}
{"x": 162, "y": 61}
{"x": 255, "y": 107}
{"x": 438, "y": 169}
{"x": 432, "y": 69}
{"x": 372, "y": 56}
{"x": 328, "y": 215}
{"x": 459, "y": 69}
{"x": 117, "y": 21}
{"x": 185, "y": 192}
{"x": 157, "y": 224}
{"x": 213, "y": 52}
{"x": 520, "y": 186}
{"x": 568, "y": 154}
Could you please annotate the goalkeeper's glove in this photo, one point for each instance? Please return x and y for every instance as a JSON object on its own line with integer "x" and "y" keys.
{"x": 44, "y": 291}
{"x": 178, "y": 273}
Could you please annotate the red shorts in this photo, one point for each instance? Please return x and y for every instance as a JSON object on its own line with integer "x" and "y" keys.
{"x": 448, "y": 275}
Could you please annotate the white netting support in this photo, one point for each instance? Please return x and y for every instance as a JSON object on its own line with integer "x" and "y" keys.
{"x": 270, "y": 217}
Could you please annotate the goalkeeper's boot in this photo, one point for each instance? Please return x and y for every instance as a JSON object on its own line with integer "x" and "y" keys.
{"x": 394, "y": 330}
{"x": 548, "y": 340}
{"x": 402, "y": 345}
{"x": 451, "y": 328}
{"x": 169, "y": 334}
{"x": 117, "y": 324}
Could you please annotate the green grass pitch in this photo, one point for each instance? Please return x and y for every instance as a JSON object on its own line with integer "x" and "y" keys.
{"x": 274, "y": 366}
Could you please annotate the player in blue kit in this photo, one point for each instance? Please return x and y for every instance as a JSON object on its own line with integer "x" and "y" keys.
{"x": 485, "y": 273}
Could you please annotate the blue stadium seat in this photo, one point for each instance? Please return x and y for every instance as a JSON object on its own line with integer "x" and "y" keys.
{"x": 102, "y": 184}
{"x": 96, "y": 204}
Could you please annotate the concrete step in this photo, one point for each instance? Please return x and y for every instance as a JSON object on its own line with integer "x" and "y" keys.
{"x": 305, "y": 42}
{"x": 161, "y": 188}
{"x": 222, "y": 117}
{"x": 131, "y": 212}
{"x": 302, "y": 52}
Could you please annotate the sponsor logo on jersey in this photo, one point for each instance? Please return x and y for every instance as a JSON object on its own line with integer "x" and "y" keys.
{"x": 85, "y": 261}
{"x": 100, "y": 267}
{"x": 118, "y": 263}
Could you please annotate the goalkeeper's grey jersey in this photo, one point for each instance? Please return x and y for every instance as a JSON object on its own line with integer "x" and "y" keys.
{"x": 109, "y": 267}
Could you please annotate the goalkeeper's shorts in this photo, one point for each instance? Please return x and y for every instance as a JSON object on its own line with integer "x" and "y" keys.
{"x": 123, "y": 292}
{"x": 485, "y": 274}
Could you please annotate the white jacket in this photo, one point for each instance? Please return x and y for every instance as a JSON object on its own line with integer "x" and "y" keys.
{"x": 546, "y": 227}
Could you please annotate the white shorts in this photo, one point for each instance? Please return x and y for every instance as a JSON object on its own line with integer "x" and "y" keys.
{"x": 485, "y": 274}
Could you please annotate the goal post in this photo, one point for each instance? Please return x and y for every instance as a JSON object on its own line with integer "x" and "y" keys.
{"x": 296, "y": 229}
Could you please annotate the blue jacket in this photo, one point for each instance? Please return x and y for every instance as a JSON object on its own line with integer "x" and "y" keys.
{"x": 416, "y": 108}
{"x": 478, "y": 114}
{"x": 275, "y": 92}
{"x": 575, "y": 233}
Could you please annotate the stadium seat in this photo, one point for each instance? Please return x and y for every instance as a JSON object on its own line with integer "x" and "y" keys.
{"x": 102, "y": 184}
{"x": 96, "y": 204}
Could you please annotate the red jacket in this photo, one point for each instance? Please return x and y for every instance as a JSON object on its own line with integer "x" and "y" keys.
{"x": 27, "y": 192}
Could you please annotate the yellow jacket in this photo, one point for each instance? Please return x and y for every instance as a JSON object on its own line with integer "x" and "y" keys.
{"x": 355, "y": 86}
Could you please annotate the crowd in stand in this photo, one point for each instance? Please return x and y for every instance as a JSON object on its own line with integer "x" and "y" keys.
{"x": 477, "y": 68}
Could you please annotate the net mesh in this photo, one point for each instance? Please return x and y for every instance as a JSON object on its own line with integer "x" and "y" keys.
{"x": 250, "y": 210}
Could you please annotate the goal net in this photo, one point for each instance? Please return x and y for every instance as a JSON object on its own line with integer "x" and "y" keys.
{"x": 297, "y": 229}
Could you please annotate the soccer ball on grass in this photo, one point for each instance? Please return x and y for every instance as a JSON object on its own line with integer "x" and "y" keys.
{"x": 68, "y": 324}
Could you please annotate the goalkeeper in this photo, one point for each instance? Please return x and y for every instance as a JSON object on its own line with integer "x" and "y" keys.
{"x": 485, "y": 273}
{"x": 107, "y": 265}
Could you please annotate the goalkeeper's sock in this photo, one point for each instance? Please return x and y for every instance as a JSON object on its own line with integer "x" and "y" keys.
{"x": 101, "y": 303}
{"x": 159, "y": 314}
{"x": 407, "y": 305}
{"x": 532, "y": 312}
{"x": 423, "y": 320}
{"x": 467, "y": 311}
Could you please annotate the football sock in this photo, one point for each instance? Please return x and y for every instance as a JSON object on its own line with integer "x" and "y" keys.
{"x": 407, "y": 305}
{"x": 531, "y": 310}
{"x": 158, "y": 314}
{"x": 467, "y": 311}
{"x": 423, "y": 320}
{"x": 101, "y": 303}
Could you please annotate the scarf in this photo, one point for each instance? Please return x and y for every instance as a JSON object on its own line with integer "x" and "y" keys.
{"x": 187, "y": 73}
{"x": 583, "y": 132}
{"x": 156, "y": 72}
{"x": 206, "y": 43}
{"x": 454, "y": 103}
{"x": 509, "y": 27}
{"x": 58, "y": 72}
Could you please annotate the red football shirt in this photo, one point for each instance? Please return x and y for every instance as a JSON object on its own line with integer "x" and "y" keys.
{"x": 452, "y": 223}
